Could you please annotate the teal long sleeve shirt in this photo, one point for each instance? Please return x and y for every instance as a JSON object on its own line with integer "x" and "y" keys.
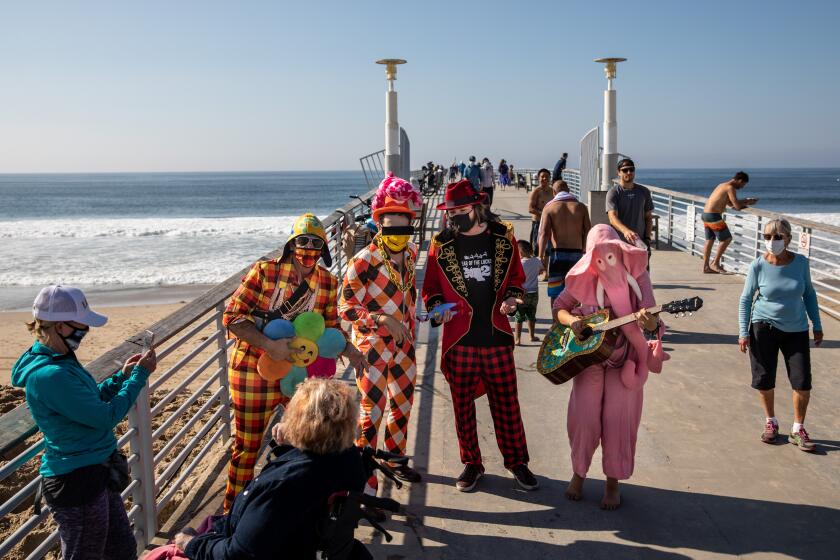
{"x": 786, "y": 297}
{"x": 75, "y": 414}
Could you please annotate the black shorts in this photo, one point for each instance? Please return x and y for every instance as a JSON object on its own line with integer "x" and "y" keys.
{"x": 765, "y": 343}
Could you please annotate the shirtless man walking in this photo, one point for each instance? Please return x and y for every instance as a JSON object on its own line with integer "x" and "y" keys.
{"x": 564, "y": 225}
{"x": 713, "y": 225}
{"x": 537, "y": 201}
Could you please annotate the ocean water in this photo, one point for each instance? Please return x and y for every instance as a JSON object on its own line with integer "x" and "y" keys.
{"x": 174, "y": 229}
{"x": 808, "y": 193}
{"x": 151, "y": 229}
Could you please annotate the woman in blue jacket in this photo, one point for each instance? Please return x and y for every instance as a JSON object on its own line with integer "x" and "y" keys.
{"x": 776, "y": 319}
{"x": 77, "y": 417}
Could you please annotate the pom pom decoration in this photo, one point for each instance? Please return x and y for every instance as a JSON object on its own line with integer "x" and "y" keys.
{"x": 304, "y": 351}
{"x": 289, "y": 384}
{"x": 309, "y": 325}
{"x": 271, "y": 369}
{"x": 322, "y": 367}
{"x": 331, "y": 343}
{"x": 279, "y": 328}
{"x": 398, "y": 189}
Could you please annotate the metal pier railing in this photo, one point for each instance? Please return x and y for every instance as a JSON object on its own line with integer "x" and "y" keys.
{"x": 163, "y": 449}
{"x": 681, "y": 227}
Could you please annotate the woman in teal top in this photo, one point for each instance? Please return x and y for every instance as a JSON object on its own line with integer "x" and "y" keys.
{"x": 777, "y": 301}
{"x": 77, "y": 418}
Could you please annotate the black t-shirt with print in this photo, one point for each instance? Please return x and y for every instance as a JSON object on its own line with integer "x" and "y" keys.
{"x": 475, "y": 255}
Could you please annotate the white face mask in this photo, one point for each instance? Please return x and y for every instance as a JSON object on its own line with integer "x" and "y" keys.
{"x": 775, "y": 246}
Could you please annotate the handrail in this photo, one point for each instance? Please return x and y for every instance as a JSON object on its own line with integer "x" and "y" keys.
{"x": 149, "y": 492}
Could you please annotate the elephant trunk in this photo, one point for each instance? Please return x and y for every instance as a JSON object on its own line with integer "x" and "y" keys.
{"x": 633, "y": 373}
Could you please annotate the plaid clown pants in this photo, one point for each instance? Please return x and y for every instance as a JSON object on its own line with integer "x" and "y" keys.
{"x": 464, "y": 367}
{"x": 389, "y": 379}
{"x": 254, "y": 401}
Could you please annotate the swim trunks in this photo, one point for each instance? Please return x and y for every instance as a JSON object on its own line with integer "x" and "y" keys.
{"x": 560, "y": 263}
{"x": 527, "y": 311}
{"x": 714, "y": 226}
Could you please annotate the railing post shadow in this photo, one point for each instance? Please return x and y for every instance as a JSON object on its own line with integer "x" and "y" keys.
{"x": 670, "y": 221}
{"x": 224, "y": 397}
{"x": 145, "y": 493}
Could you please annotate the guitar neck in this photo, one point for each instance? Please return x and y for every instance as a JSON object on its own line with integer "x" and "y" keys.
{"x": 603, "y": 327}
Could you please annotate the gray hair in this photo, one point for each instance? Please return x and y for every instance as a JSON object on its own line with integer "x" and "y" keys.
{"x": 780, "y": 226}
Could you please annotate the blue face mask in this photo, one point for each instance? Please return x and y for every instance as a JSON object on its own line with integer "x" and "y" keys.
{"x": 74, "y": 339}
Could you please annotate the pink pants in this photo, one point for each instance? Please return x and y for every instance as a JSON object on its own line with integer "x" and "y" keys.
{"x": 602, "y": 410}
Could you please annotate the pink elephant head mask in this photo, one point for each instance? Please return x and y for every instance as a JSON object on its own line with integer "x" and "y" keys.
{"x": 615, "y": 268}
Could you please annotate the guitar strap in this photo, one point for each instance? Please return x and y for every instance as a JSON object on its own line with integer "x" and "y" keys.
{"x": 282, "y": 312}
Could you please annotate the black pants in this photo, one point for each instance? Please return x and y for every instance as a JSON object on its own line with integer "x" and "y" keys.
{"x": 765, "y": 343}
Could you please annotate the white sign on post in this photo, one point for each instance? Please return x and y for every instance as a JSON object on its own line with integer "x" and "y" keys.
{"x": 689, "y": 222}
{"x": 805, "y": 244}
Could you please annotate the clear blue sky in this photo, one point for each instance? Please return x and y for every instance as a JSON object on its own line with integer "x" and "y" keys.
{"x": 178, "y": 86}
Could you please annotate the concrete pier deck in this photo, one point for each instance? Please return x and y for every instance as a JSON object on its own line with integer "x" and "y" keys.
{"x": 705, "y": 486}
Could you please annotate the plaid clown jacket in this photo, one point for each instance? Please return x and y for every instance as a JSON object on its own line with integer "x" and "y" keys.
{"x": 444, "y": 281}
{"x": 367, "y": 288}
{"x": 257, "y": 292}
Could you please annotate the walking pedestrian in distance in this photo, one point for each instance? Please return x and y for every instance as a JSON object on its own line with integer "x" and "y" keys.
{"x": 557, "y": 174}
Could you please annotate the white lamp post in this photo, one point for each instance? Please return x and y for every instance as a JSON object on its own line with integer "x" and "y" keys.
{"x": 610, "y": 155}
{"x": 392, "y": 125}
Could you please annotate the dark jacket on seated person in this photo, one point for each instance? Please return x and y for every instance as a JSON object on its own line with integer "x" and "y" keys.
{"x": 276, "y": 514}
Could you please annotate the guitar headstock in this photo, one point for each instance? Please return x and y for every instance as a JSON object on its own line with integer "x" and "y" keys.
{"x": 683, "y": 306}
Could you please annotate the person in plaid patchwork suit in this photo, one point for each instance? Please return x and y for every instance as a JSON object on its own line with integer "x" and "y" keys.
{"x": 473, "y": 262}
{"x": 378, "y": 297}
{"x": 278, "y": 288}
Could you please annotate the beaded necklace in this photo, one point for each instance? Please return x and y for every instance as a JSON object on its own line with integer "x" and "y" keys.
{"x": 408, "y": 262}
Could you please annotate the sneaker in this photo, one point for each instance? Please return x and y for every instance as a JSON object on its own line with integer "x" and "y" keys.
{"x": 524, "y": 477}
{"x": 771, "y": 432}
{"x": 406, "y": 473}
{"x": 802, "y": 441}
{"x": 469, "y": 477}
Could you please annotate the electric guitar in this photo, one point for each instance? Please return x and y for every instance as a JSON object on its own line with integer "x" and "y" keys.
{"x": 563, "y": 355}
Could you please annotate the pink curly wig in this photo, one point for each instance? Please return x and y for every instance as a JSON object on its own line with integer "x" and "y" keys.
{"x": 397, "y": 189}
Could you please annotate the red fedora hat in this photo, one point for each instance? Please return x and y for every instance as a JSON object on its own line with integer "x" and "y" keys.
{"x": 461, "y": 194}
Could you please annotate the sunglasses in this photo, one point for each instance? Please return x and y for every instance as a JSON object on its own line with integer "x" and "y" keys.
{"x": 308, "y": 241}
{"x": 628, "y": 169}
{"x": 774, "y": 237}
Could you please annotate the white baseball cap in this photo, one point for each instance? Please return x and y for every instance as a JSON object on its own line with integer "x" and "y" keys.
{"x": 62, "y": 303}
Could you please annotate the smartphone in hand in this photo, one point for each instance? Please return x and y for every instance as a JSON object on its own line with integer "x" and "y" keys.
{"x": 148, "y": 341}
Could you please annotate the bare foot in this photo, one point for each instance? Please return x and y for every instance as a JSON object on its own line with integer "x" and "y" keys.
{"x": 718, "y": 269}
{"x": 574, "y": 491}
{"x": 709, "y": 270}
{"x": 535, "y": 338}
{"x": 612, "y": 495}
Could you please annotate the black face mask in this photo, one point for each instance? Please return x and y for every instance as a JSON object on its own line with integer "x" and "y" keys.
{"x": 464, "y": 222}
{"x": 74, "y": 339}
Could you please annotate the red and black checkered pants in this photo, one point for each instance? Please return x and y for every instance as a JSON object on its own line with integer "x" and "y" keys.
{"x": 464, "y": 367}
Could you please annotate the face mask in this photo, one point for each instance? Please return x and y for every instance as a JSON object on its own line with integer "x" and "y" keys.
{"x": 775, "y": 246}
{"x": 464, "y": 222}
{"x": 75, "y": 338}
{"x": 396, "y": 237}
{"x": 307, "y": 257}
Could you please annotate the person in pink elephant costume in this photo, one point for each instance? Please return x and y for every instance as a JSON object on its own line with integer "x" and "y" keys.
{"x": 605, "y": 406}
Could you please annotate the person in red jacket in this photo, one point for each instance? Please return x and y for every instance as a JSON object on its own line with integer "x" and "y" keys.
{"x": 473, "y": 262}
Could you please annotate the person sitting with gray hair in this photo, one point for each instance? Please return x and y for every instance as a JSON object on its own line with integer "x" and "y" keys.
{"x": 276, "y": 515}
{"x": 776, "y": 319}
